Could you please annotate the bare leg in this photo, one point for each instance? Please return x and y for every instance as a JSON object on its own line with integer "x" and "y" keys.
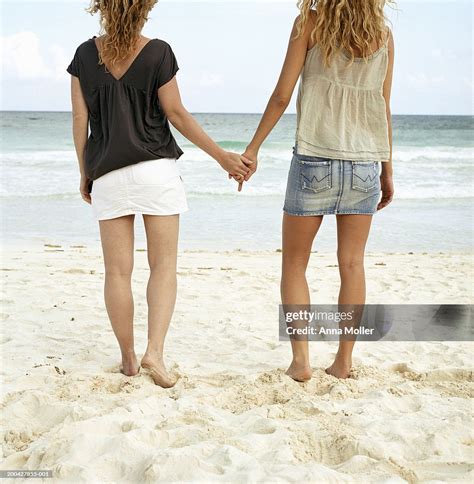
{"x": 352, "y": 234}
{"x": 117, "y": 246}
{"x": 298, "y": 236}
{"x": 162, "y": 243}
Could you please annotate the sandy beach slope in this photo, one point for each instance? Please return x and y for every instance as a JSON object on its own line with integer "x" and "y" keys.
{"x": 404, "y": 416}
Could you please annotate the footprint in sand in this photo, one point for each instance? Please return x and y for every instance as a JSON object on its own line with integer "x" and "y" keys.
{"x": 325, "y": 446}
{"x": 408, "y": 373}
{"x": 449, "y": 374}
{"x": 262, "y": 426}
{"x": 4, "y": 316}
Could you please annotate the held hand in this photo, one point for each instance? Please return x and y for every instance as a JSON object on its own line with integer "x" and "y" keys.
{"x": 252, "y": 156}
{"x": 84, "y": 189}
{"x": 233, "y": 164}
{"x": 386, "y": 184}
{"x": 250, "y": 159}
{"x": 251, "y": 165}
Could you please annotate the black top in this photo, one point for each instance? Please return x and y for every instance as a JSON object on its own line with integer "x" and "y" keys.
{"x": 127, "y": 123}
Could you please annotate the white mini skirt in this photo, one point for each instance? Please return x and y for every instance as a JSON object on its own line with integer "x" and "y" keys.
{"x": 152, "y": 187}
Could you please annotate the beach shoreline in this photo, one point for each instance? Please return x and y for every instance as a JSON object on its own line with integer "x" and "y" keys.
{"x": 431, "y": 209}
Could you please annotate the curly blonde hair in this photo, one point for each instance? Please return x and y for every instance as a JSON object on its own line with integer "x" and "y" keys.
{"x": 121, "y": 22}
{"x": 351, "y": 25}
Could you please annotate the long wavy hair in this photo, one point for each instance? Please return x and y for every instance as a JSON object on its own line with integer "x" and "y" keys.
{"x": 351, "y": 25}
{"x": 121, "y": 22}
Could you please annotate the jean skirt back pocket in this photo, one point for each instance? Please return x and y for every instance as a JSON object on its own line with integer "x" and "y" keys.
{"x": 315, "y": 173}
{"x": 365, "y": 176}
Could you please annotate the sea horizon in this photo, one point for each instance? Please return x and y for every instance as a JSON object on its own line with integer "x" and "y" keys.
{"x": 235, "y": 113}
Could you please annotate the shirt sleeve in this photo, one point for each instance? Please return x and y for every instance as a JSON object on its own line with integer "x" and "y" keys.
{"x": 74, "y": 66}
{"x": 168, "y": 67}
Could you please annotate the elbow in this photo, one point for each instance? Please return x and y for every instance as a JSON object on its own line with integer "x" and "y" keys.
{"x": 281, "y": 100}
{"x": 80, "y": 117}
{"x": 80, "y": 122}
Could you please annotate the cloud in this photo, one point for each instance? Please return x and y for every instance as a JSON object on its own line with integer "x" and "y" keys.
{"x": 422, "y": 81}
{"x": 468, "y": 82}
{"x": 442, "y": 54}
{"x": 209, "y": 79}
{"x": 22, "y": 58}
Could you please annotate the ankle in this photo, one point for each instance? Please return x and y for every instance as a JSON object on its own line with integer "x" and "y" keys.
{"x": 154, "y": 353}
{"x": 300, "y": 361}
{"x": 128, "y": 354}
{"x": 345, "y": 360}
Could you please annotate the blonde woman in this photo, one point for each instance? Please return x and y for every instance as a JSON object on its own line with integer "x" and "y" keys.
{"x": 342, "y": 157}
{"x": 124, "y": 88}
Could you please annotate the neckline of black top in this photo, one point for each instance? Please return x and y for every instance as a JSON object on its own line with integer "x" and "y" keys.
{"x": 129, "y": 67}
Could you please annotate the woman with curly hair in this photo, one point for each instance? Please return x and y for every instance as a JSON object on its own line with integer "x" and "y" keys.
{"x": 343, "y": 151}
{"x": 123, "y": 87}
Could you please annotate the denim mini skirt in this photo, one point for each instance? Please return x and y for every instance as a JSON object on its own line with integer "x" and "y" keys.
{"x": 321, "y": 186}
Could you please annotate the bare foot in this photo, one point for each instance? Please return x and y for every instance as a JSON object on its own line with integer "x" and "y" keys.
{"x": 340, "y": 368}
{"x": 130, "y": 366}
{"x": 299, "y": 372}
{"x": 158, "y": 372}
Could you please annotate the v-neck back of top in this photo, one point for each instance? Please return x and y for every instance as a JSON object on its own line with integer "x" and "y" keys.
{"x": 127, "y": 123}
{"x": 130, "y": 66}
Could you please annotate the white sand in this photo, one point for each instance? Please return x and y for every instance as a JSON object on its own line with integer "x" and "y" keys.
{"x": 234, "y": 416}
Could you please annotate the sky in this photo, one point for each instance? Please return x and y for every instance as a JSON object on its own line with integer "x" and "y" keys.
{"x": 230, "y": 52}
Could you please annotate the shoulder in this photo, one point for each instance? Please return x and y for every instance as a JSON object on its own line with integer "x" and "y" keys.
{"x": 389, "y": 40}
{"x": 309, "y": 19}
{"x": 161, "y": 46}
{"x": 160, "y": 51}
{"x": 305, "y": 24}
{"x": 86, "y": 47}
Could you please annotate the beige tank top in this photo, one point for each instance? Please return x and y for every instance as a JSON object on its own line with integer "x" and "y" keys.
{"x": 341, "y": 110}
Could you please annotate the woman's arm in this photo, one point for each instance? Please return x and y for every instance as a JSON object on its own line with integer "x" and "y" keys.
{"x": 387, "y": 170}
{"x": 387, "y": 90}
{"x": 80, "y": 121}
{"x": 179, "y": 117}
{"x": 281, "y": 97}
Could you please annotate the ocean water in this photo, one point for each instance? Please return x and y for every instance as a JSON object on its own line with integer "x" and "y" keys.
{"x": 432, "y": 210}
